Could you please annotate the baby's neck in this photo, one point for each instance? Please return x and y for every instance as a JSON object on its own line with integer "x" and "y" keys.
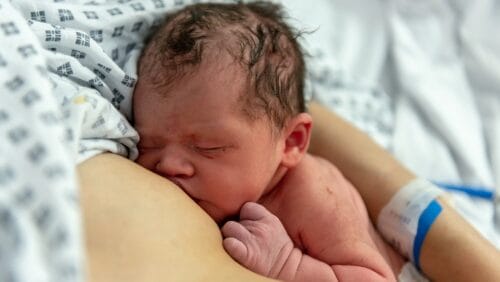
{"x": 274, "y": 185}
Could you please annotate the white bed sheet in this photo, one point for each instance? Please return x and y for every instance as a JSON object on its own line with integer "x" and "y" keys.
{"x": 436, "y": 67}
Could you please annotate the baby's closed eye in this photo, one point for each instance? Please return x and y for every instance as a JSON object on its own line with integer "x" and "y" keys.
{"x": 211, "y": 151}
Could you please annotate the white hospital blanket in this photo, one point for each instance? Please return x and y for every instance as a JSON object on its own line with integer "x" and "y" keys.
{"x": 447, "y": 57}
{"x": 346, "y": 45}
{"x": 439, "y": 63}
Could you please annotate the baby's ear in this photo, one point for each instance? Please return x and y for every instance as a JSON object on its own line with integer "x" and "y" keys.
{"x": 297, "y": 134}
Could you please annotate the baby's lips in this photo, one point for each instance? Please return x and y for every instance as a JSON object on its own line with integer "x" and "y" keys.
{"x": 177, "y": 182}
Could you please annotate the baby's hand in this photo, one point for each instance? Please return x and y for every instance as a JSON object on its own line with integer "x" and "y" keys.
{"x": 258, "y": 241}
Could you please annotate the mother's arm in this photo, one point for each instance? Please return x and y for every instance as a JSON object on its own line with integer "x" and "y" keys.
{"x": 140, "y": 227}
{"x": 453, "y": 250}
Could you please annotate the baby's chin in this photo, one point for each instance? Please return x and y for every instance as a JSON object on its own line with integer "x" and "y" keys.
{"x": 216, "y": 214}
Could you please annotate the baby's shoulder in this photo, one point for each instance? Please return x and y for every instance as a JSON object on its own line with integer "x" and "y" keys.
{"x": 314, "y": 173}
{"x": 313, "y": 167}
{"x": 319, "y": 185}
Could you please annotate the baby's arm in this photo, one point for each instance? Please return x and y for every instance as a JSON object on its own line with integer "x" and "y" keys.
{"x": 260, "y": 243}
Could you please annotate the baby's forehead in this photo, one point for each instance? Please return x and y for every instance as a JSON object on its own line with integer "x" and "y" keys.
{"x": 217, "y": 73}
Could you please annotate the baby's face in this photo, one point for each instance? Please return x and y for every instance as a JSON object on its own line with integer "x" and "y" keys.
{"x": 197, "y": 137}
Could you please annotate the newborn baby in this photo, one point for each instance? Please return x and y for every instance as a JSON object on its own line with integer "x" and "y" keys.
{"x": 220, "y": 110}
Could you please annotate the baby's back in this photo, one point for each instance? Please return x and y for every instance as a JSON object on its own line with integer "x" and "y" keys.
{"x": 326, "y": 217}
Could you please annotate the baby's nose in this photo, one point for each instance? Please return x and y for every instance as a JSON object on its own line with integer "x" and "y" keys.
{"x": 174, "y": 165}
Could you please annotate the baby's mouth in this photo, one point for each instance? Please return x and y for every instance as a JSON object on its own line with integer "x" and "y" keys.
{"x": 177, "y": 182}
{"x": 206, "y": 206}
{"x": 180, "y": 185}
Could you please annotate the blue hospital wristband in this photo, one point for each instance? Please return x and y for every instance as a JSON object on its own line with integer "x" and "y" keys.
{"x": 405, "y": 221}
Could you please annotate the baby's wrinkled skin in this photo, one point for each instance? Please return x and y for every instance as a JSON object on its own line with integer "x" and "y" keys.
{"x": 330, "y": 232}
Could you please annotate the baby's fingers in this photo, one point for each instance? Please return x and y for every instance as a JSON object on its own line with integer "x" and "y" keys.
{"x": 236, "y": 230}
{"x": 236, "y": 249}
{"x": 235, "y": 236}
{"x": 253, "y": 211}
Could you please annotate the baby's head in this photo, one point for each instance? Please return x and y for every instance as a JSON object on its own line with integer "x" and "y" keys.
{"x": 255, "y": 37}
{"x": 219, "y": 103}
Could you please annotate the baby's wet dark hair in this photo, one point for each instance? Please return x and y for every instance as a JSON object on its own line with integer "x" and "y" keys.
{"x": 255, "y": 34}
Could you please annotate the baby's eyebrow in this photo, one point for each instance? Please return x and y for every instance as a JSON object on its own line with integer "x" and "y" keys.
{"x": 205, "y": 136}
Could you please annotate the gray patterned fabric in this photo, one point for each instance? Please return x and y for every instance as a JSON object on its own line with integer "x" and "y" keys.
{"x": 67, "y": 73}
{"x": 40, "y": 233}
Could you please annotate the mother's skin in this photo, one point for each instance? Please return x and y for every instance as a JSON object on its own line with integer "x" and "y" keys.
{"x": 140, "y": 227}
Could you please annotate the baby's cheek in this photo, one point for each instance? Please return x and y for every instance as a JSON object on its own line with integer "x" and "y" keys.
{"x": 140, "y": 160}
{"x": 146, "y": 162}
